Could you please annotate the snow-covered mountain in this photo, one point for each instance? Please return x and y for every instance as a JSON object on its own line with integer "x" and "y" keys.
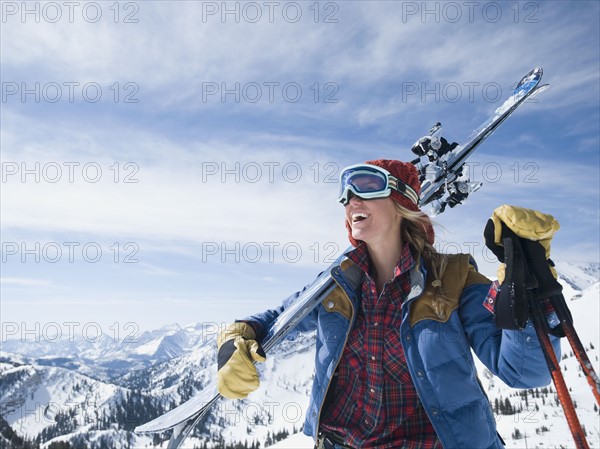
{"x": 41, "y": 403}
{"x": 105, "y": 357}
{"x": 92, "y": 394}
{"x": 576, "y": 277}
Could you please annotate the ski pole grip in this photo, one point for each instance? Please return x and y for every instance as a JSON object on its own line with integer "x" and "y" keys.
{"x": 489, "y": 236}
{"x": 535, "y": 255}
{"x": 511, "y": 307}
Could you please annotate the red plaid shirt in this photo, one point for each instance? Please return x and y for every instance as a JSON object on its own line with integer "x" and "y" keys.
{"x": 374, "y": 402}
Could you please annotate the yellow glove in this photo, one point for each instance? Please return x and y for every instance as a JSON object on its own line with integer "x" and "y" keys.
{"x": 238, "y": 349}
{"x": 526, "y": 223}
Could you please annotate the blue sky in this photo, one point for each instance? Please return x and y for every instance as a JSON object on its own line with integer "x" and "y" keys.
{"x": 197, "y": 149}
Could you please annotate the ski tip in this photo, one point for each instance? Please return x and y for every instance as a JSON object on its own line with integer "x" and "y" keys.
{"x": 540, "y": 89}
{"x": 529, "y": 81}
{"x": 535, "y": 72}
{"x": 151, "y": 428}
{"x": 143, "y": 429}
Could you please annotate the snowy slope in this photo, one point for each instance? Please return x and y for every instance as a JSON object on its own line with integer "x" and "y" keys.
{"x": 578, "y": 275}
{"x": 33, "y": 397}
{"x": 296, "y": 441}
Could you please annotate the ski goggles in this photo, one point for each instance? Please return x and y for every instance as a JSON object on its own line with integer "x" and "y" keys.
{"x": 370, "y": 182}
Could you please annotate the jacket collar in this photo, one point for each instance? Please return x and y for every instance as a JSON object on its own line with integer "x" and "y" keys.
{"x": 352, "y": 276}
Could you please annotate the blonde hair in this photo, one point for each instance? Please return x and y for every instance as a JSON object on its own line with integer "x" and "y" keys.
{"x": 414, "y": 229}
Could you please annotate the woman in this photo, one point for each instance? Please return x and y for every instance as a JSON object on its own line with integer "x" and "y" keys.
{"x": 393, "y": 365}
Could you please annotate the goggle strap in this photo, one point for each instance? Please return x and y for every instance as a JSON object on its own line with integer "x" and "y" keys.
{"x": 404, "y": 189}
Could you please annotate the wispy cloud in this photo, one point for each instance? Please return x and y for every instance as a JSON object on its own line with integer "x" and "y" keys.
{"x": 12, "y": 281}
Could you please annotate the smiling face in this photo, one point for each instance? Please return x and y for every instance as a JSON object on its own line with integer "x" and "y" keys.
{"x": 376, "y": 222}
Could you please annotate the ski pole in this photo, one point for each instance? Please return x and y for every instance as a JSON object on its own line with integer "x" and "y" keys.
{"x": 516, "y": 252}
{"x": 560, "y": 307}
{"x": 562, "y": 391}
{"x": 548, "y": 287}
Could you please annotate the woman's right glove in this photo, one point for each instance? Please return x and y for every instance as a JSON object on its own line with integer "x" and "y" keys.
{"x": 238, "y": 349}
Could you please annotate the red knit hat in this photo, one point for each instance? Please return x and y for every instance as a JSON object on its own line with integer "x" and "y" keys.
{"x": 407, "y": 173}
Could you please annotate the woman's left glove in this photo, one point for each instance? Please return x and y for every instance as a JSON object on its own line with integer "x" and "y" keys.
{"x": 520, "y": 238}
{"x": 238, "y": 350}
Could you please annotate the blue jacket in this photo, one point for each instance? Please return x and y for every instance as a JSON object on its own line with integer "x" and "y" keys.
{"x": 437, "y": 345}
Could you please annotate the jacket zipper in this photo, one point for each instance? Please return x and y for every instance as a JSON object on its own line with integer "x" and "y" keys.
{"x": 339, "y": 358}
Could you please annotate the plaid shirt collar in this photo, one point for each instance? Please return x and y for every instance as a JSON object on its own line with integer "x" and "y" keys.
{"x": 360, "y": 257}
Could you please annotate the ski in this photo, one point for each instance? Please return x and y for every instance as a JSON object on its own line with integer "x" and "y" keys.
{"x": 441, "y": 172}
{"x": 184, "y": 418}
